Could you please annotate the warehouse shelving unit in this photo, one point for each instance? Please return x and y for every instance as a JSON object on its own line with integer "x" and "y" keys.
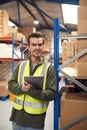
{"x": 13, "y": 51}
{"x": 59, "y": 69}
{"x": 19, "y": 44}
{"x": 4, "y": 82}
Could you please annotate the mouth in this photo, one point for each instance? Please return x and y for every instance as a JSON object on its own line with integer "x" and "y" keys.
{"x": 37, "y": 51}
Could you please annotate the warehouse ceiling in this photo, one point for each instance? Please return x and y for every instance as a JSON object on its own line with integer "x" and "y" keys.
{"x": 24, "y": 12}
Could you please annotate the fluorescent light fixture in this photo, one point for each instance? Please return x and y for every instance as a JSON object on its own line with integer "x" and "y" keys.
{"x": 36, "y": 22}
{"x": 70, "y": 13}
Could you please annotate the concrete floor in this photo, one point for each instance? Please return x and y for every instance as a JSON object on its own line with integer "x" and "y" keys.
{"x": 5, "y": 111}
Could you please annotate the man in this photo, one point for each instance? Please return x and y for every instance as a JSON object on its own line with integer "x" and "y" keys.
{"x": 30, "y": 104}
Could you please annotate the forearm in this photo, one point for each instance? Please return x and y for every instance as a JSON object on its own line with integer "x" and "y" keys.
{"x": 14, "y": 87}
{"x": 45, "y": 95}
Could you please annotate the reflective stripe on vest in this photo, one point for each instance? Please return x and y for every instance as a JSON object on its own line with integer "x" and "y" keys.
{"x": 22, "y": 71}
{"x": 31, "y": 104}
{"x": 44, "y": 68}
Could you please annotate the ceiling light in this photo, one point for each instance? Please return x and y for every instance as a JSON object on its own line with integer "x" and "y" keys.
{"x": 36, "y": 22}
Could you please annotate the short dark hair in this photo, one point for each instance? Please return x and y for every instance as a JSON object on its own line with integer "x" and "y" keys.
{"x": 35, "y": 35}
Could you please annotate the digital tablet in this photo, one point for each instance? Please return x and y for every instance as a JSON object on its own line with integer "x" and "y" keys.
{"x": 37, "y": 81}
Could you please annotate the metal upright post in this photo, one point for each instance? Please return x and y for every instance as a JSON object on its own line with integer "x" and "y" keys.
{"x": 22, "y": 52}
{"x": 56, "y": 65}
{"x": 12, "y": 52}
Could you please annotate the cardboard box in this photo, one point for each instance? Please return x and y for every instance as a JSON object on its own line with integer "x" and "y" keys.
{"x": 73, "y": 106}
{"x": 69, "y": 53}
{"x": 81, "y": 44}
{"x": 81, "y": 69}
{"x": 82, "y": 13}
{"x": 4, "y": 89}
{"x": 4, "y": 28}
{"x": 68, "y": 49}
{"x": 26, "y": 31}
{"x": 82, "y": 2}
{"x": 82, "y": 27}
{"x": 83, "y": 58}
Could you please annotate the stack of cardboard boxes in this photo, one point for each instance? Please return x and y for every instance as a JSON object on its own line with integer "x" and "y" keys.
{"x": 82, "y": 17}
{"x": 26, "y": 31}
{"x": 81, "y": 63}
{"x": 4, "y": 28}
{"x": 71, "y": 48}
{"x": 68, "y": 51}
{"x": 81, "y": 44}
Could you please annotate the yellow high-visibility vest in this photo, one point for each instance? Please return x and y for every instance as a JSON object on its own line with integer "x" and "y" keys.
{"x": 30, "y": 104}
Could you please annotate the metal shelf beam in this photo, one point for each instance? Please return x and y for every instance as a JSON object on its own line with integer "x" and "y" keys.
{"x": 62, "y": 37}
{"x": 73, "y": 59}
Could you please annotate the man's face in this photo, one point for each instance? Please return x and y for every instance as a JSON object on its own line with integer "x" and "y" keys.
{"x": 36, "y": 47}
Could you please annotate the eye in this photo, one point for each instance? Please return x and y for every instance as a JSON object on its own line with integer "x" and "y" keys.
{"x": 35, "y": 44}
{"x": 40, "y": 44}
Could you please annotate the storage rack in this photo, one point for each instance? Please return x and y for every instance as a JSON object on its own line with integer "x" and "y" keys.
{"x": 10, "y": 40}
{"x": 13, "y": 51}
{"x": 58, "y": 69}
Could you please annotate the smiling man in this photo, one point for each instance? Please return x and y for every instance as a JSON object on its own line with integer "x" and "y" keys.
{"x": 30, "y": 104}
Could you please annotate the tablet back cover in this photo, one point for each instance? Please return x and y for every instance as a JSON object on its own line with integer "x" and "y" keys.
{"x": 37, "y": 81}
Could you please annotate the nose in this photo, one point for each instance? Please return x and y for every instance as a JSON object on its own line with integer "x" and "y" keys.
{"x": 37, "y": 46}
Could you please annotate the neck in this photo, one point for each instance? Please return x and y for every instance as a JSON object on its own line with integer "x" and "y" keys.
{"x": 35, "y": 60}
